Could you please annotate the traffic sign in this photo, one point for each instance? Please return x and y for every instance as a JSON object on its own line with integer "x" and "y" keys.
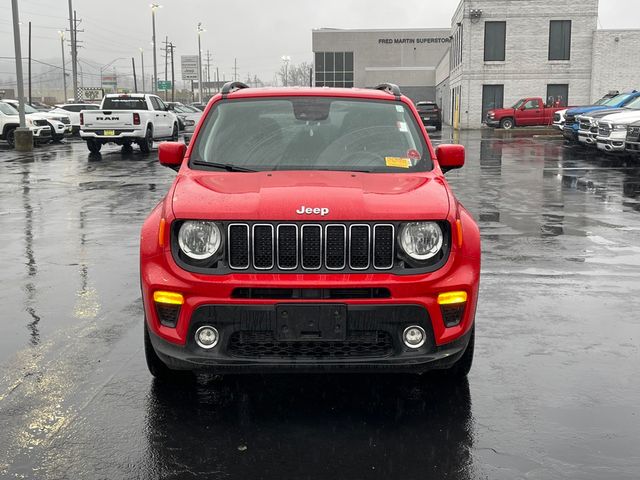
{"x": 189, "y": 67}
{"x": 164, "y": 85}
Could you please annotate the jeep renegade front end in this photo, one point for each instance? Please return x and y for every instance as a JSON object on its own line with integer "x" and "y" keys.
{"x": 309, "y": 229}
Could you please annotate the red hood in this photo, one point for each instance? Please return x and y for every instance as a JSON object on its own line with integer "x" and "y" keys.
{"x": 277, "y": 196}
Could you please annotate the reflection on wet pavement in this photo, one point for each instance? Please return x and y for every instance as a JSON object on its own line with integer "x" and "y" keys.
{"x": 553, "y": 392}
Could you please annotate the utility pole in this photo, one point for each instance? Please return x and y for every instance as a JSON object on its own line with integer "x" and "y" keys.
{"x": 173, "y": 75}
{"x": 200, "y": 31}
{"x": 217, "y": 79}
{"x": 154, "y": 7}
{"x": 144, "y": 90}
{"x": 166, "y": 67}
{"x": 208, "y": 73}
{"x": 135, "y": 80}
{"x": 23, "y": 137}
{"x": 286, "y": 59}
{"x": 64, "y": 72}
{"x": 74, "y": 64}
{"x": 235, "y": 69}
{"x": 29, "y": 61}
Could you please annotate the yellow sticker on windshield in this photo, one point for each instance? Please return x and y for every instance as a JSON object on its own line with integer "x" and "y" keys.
{"x": 399, "y": 162}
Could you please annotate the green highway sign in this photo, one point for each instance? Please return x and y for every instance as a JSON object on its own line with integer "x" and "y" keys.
{"x": 164, "y": 85}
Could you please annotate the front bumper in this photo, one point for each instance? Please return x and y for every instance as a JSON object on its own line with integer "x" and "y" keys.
{"x": 633, "y": 147}
{"x": 431, "y": 121}
{"x": 587, "y": 137}
{"x": 570, "y": 133}
{"x": 492, "y": 122}
{"x": 248, "y": 342}
{"x": 41, "y": 134}
{"x": 611, "y": 144}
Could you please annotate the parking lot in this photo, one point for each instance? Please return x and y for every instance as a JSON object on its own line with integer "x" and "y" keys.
{"x": 552, "y": 394}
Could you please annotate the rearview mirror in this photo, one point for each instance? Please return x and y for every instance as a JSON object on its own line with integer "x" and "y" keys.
{"x": 171, "y": 154}
{"x": 449, "y": 157}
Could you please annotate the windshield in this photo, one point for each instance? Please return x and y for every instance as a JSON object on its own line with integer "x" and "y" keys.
{"x": 518, "y": 104}
{"x": 618, "y": 99}
{"x": 313, "y": 133}
{"x": 634, "y": 104}
{"x": 124, "y": 103}
{"x": 7, "y": 109}
{"x": 190, "y": 109}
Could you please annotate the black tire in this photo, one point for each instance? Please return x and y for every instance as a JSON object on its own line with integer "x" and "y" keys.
{"x": 507, "y": 123}
{"x": 157, "y": 367}
{"x": 94, "y": 146}
{"x": 461, "y": 368}
{"x": 146, "y": 144}
{"x": 11, "y": 137}
{"x": 175, "y": 134}
{"x": 57, "y": 138}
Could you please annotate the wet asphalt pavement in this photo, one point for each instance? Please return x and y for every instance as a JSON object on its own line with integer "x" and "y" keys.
{"x": 553, "y": 394}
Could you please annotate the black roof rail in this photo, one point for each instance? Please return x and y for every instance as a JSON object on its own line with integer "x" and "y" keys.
{"x": 231, "y": 87}
{"x": 390, "y": 88}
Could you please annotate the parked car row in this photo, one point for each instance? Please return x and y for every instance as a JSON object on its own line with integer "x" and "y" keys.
{"x": 45, "y": 126}
{"x": 612, "y": 126}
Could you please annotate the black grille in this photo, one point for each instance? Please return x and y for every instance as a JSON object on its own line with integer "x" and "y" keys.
{"x": 604, "y": 130}
{"x": 65, "y": 120}
{"x": 287, "y": 247}
{"x": 239, "y": 246}
{"x": 335, "y": 244}
{"x": 40, "y": 123}
{"x": 360, "y": 241}
{"x": 359, "y": 344}
{"x": 310, "y": 293}
{"x": 569, "y": 119}
{"x": 263, "y": 246}
{"x": 585, "y": 124}
{"x": 383, "y": 246}
{"x": 311, "y": 246}
{"x": 633, "y": 133}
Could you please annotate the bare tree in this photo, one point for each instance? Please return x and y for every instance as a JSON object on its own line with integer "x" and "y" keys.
{"x": 297, "y": 74}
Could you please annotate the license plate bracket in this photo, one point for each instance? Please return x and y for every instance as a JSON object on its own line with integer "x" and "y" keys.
{"x": 325, "y": 322}
{"x": 109, "y": 133}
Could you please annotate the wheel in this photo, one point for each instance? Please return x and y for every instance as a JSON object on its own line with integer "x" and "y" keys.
{"x": 157, "y": 367}
{"x": 147, "y": 142}
{"x": 174, "y": 134}
{"x": 506, "y": 123}
{"x": 11, "y": 138}
{"x": 94, "y": 146}
{"x": 461, "y": 368}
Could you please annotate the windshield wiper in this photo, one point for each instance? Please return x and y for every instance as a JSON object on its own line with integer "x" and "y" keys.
{"x": 223, "y": 166}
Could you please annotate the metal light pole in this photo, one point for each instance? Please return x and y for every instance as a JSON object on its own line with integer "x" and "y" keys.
{"x": 64, "y": 72}
{"x": 142, "y": 62}
{"x": 154, "y": 7}
{"x": 23, "y": 136}
{"x": 200, "y": 31}
{"x": 286, "y": 59}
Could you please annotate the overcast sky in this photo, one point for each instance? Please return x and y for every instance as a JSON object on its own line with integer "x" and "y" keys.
{"x": 256, "y": 32}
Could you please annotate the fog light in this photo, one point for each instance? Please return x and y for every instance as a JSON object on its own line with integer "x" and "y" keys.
{"x": 414, "y": 336}
{"x": 207, "y": 337}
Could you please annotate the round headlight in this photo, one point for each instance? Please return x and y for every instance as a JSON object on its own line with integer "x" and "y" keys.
{"x": 199, "y": 240}
{"x": 421, "y": 240}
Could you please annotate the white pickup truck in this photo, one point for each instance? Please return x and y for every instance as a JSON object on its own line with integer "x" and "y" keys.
{"x": 125, "y": 119}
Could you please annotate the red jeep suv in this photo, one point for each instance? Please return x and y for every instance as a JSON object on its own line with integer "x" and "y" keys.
{"x": 309, "y": 229}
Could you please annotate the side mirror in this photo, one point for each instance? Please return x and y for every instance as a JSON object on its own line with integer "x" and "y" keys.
{"x": 449, "y": 156}
{"x": 171, "y": 154}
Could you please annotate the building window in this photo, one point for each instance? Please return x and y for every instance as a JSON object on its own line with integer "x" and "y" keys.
{"x": 560, "y": 40}
{"x": 495, "y": 34}
{"x": 492, "y": 97}
{"x": 334, "y": 69}
{"x": 558, "y": 94}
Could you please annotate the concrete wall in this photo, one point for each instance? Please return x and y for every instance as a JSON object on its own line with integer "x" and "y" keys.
{"x": 405, "y": 57}
{"x": 615, "y": 61}
{"x": 526, "y": 70}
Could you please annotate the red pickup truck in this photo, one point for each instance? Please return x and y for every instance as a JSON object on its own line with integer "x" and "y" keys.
{"x": 525, "y": 112}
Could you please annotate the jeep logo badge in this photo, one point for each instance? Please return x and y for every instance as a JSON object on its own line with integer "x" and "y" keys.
{"x": 312, "y": 211}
